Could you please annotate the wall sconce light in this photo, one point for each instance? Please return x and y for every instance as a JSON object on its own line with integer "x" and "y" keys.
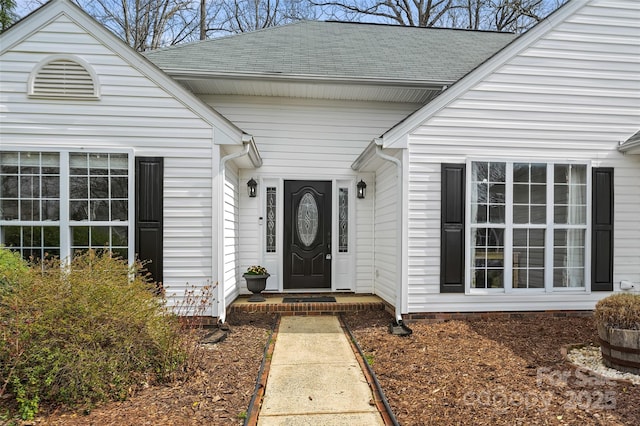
{"x": 362, "y": 189}
{"x": 251, "y": 188}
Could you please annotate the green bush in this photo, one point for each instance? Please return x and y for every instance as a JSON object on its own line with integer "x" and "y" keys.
{"x": 12, "y": 267}
{"x": 620, "y": 310}
{"x": 84, "y": 333}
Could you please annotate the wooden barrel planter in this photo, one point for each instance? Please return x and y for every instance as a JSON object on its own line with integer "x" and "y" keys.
{"x": 620, "y": 348}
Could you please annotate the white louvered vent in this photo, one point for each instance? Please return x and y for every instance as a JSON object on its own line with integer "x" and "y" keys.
{"x": 64, "y": 78}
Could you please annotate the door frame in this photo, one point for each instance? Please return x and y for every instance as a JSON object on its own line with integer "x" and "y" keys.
{"x": 343, "y": 268}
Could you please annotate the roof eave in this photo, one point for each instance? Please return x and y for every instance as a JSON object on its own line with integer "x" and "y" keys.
{"x": 184, "y": 74}
{"x": 630, "y": 146}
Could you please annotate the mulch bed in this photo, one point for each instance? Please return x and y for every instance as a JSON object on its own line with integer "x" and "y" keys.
{"x": 492, "y": 372}
{"x": 218, "y": 393}
{"x": 476, "y": 372}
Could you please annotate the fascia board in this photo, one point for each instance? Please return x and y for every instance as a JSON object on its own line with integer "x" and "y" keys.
{"x": 396, "y": 137}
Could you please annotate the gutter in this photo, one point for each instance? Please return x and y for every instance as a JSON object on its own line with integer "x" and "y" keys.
{"x": 188, "y": 74}
{"x": 251, "y": 150}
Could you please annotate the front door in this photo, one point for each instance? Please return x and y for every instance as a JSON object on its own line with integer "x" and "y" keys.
{"x": 307, "y": 234}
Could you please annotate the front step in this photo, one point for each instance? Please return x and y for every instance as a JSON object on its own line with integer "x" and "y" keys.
{"x": 274, "y": 304}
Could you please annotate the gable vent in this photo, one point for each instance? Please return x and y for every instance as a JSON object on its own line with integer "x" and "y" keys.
{"x": 63, "y": 78}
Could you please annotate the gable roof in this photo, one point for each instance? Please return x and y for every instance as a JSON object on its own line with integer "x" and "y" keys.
{"x": 225, "y": 132}
{"x": 396, "y": 137}
{"x": 338, "y": 51}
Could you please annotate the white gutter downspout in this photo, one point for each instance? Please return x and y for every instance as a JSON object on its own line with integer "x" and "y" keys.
{"x": 400, "y": 297}
{"x": 222, "y": 303}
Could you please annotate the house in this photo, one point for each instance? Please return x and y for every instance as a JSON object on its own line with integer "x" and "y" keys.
{"x": 442, "y": 170}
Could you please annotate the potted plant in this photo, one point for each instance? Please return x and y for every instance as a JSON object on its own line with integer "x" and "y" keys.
{"x": 256, "y": 277}
{"x": 618, "y": 322}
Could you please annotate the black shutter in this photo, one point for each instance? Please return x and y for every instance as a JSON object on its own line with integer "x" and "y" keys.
{"x": 602, "y": 230}
{"x": 452, "y": 249}
{"x": 149, "y": 186}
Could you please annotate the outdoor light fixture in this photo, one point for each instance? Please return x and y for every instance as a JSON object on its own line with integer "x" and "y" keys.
{"x": 362, "y": 189}
{"x": 251, "y": 187}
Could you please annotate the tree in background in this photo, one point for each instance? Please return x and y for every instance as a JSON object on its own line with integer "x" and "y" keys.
{"x": 239, "y": 16}
{"x": 499, "y": 15}
{"x": 7, "y": 13}
{"x": 150, "y": 24}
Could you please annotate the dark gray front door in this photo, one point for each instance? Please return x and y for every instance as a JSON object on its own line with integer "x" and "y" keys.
{"x": 307, "y": 235}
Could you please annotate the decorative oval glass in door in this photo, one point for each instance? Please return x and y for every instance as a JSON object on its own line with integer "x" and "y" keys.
{"x": 307, "y": 219}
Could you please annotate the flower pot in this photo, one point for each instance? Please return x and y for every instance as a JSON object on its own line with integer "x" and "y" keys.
{"x": 256, "y": 284}
{"x": 620, "y": 348}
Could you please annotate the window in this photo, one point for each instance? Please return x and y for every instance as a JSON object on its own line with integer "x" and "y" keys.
{"x": 271, "y": 220}
{"x": 527, "y": 225}
{"x": 343, "y": 220}
{"x": 52, "y": 204}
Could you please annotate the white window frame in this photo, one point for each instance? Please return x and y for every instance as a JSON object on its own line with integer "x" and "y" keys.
{"x": 64, "y": 223}
{"x": 508, "y": 227}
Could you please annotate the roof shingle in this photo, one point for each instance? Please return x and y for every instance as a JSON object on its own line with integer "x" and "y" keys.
{"x": 340, "y": 50}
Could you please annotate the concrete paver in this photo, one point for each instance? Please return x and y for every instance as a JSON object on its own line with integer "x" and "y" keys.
{"x": 315, "y": 378}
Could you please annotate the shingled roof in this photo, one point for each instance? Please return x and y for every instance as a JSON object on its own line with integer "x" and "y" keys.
{"x": 339, "y": 50}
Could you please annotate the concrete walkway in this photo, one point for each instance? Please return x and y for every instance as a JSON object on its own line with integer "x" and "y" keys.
{"x": 314, "y": 378}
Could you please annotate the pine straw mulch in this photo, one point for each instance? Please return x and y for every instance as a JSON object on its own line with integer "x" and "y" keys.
{"x": 476, "y": 372}
{"x": 492, "y": 372}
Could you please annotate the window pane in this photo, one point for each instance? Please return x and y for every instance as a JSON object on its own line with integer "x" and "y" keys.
{"x": 80, "y": 236}
{"x": 51, "y": 187}
{"x": 497, "y": 172}
{"x": 119, "y": 164}
{"x": 9, "y": 163}
{"x": 538, "y": 173}
{"x": 119, "y": 187}
{"x": 50, "y": 210}
{"x": 8, "y": 186}
{"x": 79, "y": 210}
{"x": 78, "y": 164}
{"x": 99, "y": 210}
{"x": 521, "y": 194}
{"x": 9, "y": 209}
{"x": 539, "y": 194}
{"x": 99, "y": 236}
{"x": 519, "y": 237}
{"x": 488, "y": 258}
{"x": 99, "y": 187}
{"x": 343, "y": 221}
{"x": 496, "y": 214}
{"x": 479, "y": 172}
{"x": 538, "y": 214}
{"x": 521, "y": 172}
{"x": 79, "y": 187}
{"x": 119, "y": 236}
{"x": 29, "y": 187}
{"x": 119, "y": 210}
{"x": 29, "y": 210}
{"x": 271, "y": 220}
{"x": 569, "y": 258}
{"x": 98, "y": 164}
{"x": 520, "y": 214}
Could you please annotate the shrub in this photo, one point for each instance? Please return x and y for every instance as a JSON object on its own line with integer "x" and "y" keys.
{"x": 620, "y": 310}
{"x": 12, "y": 267}
{"x": 89, "y": 332}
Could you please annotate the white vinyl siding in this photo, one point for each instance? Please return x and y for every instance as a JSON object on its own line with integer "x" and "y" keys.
{"x": 386, "y": 233}
{"x": 305, "y": 139}
{"x": 133, "y": 113}
{"x": 573, "y": 94}
{"x": 232, "y": 275}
